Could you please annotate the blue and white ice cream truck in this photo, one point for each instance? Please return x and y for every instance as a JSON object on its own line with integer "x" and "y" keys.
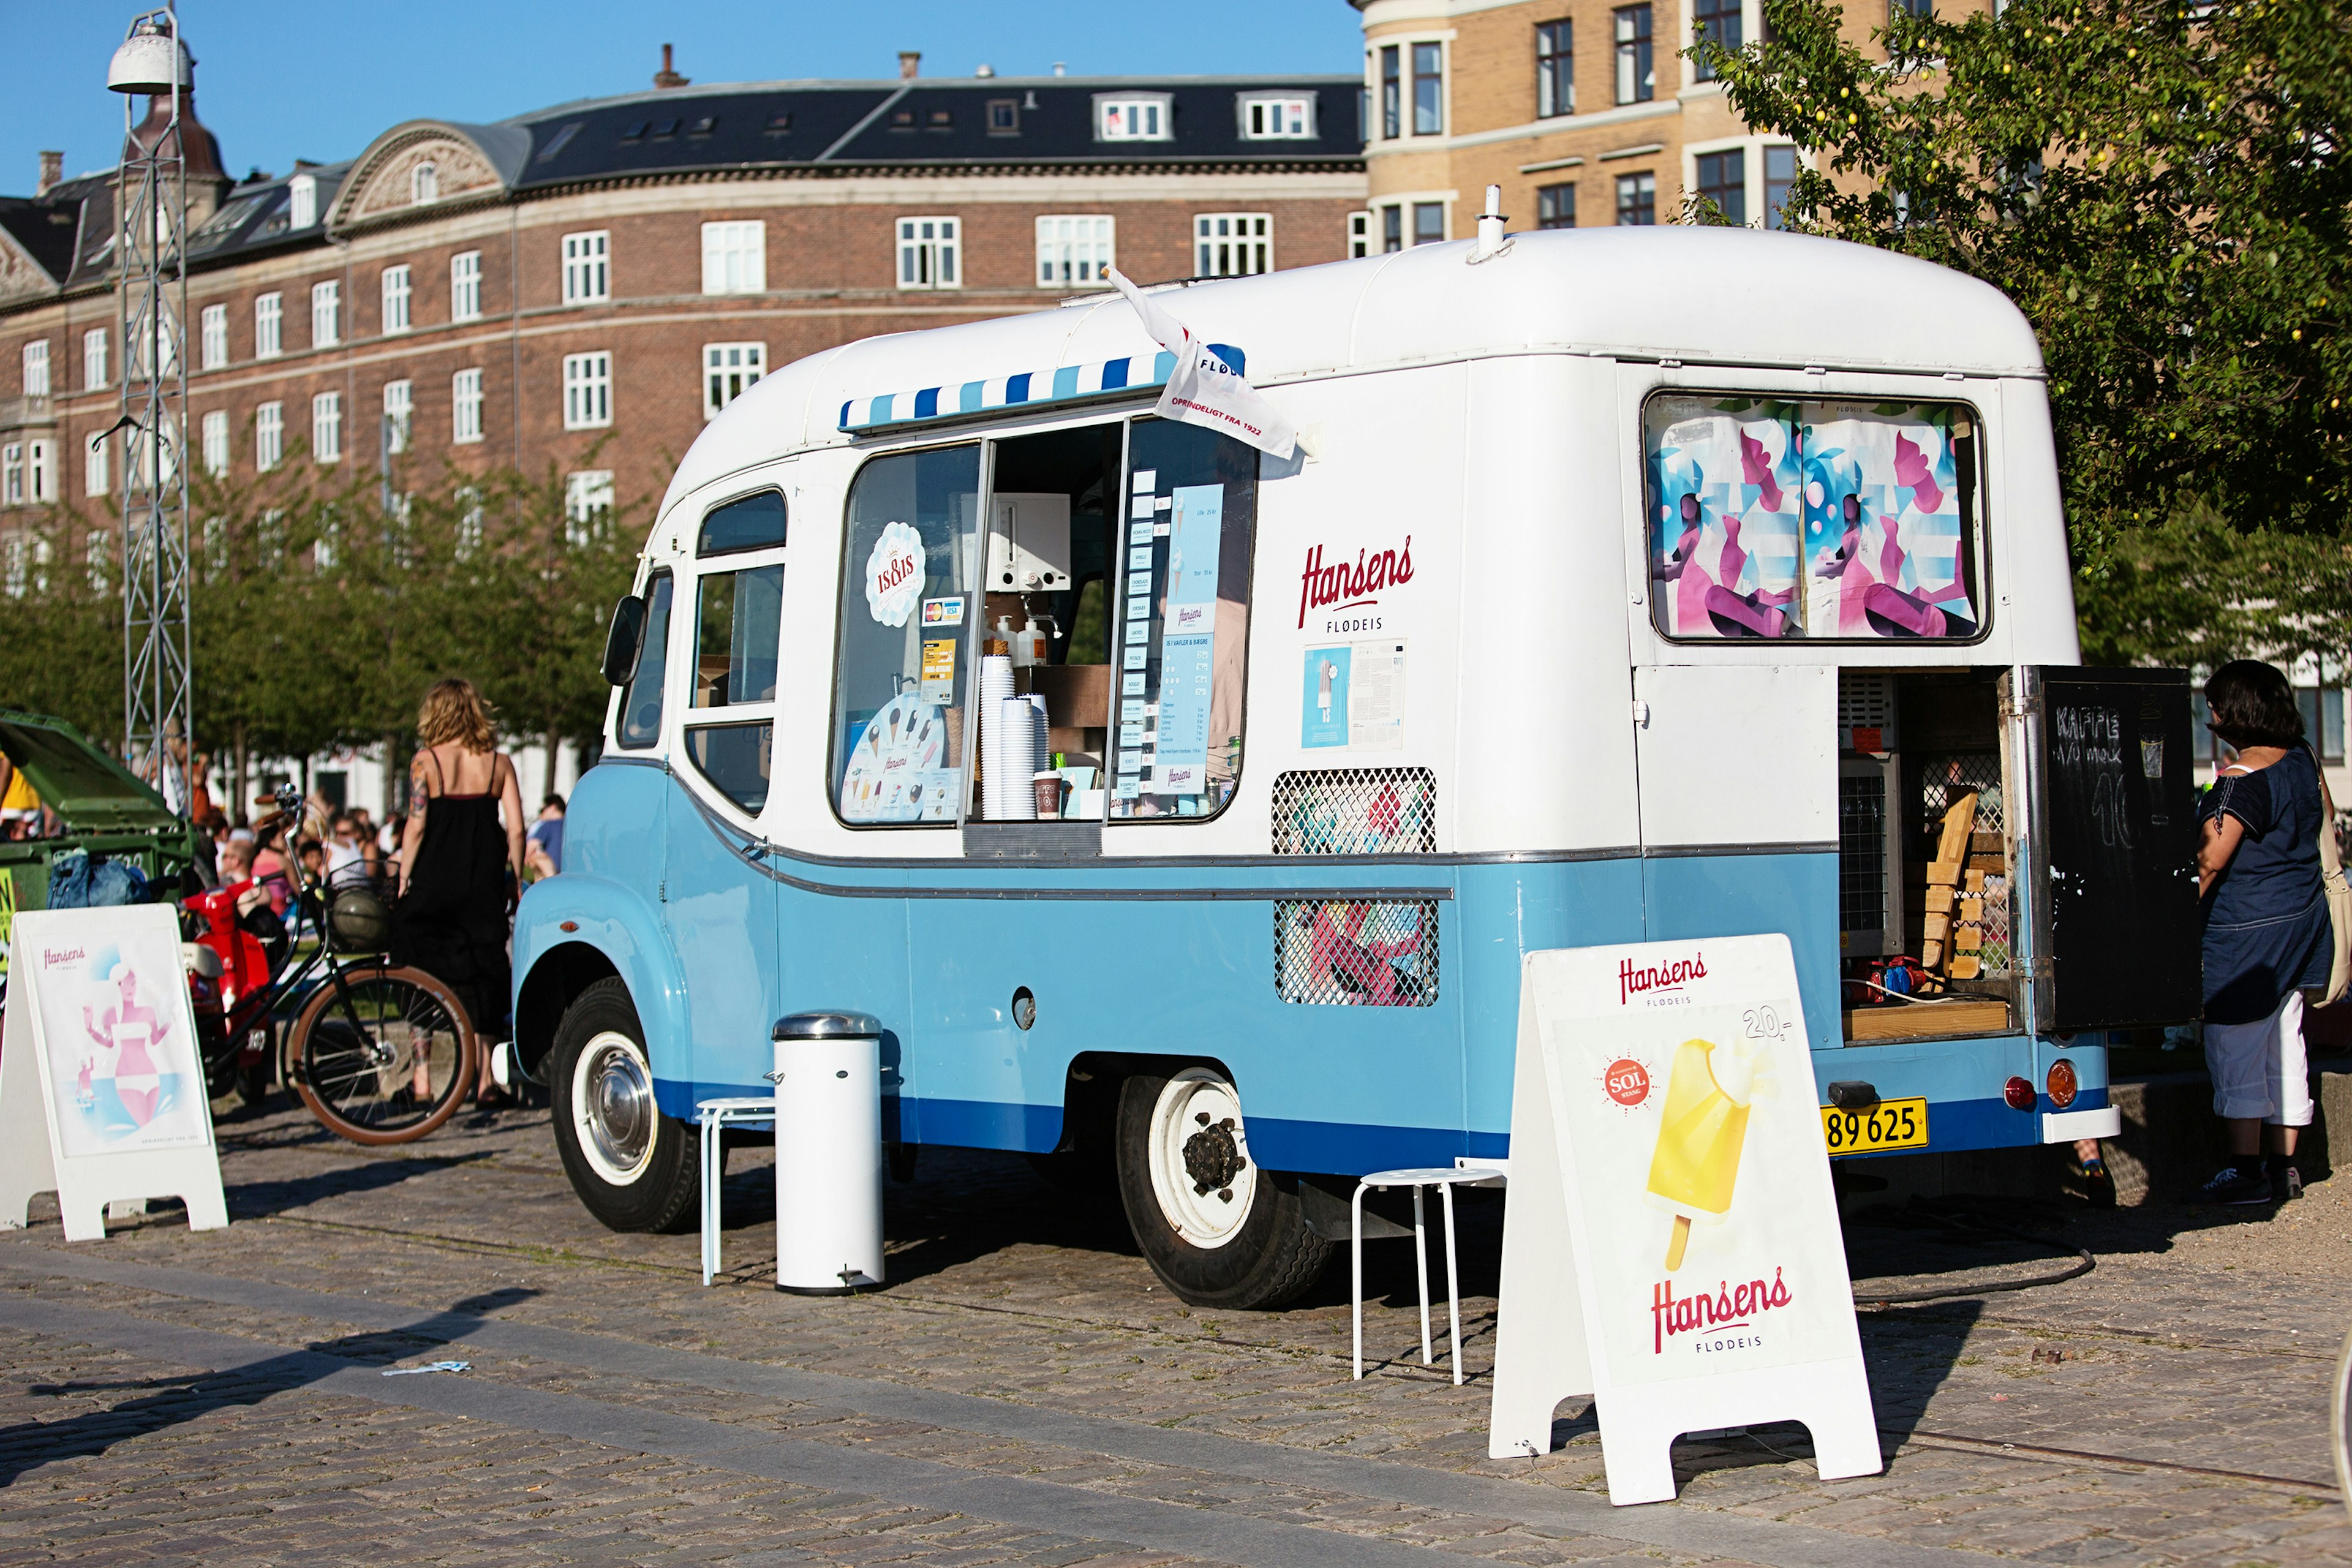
{"x": 1625, "y": 584}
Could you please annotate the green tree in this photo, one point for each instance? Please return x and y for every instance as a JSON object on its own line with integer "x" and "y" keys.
{"x": 2163, "y": 187}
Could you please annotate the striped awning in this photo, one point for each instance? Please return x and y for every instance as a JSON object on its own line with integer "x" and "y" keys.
{"x": 1061, "y": 385}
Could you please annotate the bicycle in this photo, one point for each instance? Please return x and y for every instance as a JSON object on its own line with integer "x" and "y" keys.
{"x": 380, "y": 1053}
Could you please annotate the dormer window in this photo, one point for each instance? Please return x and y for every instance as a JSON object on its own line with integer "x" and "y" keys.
{"x": 1134, "y": 117}
{"x": 902, "y": 120}
{"x": 423, "y": 184}
{"x": 1003, "y": 117}
{"x": 780, "y": 123}
{"x": 704, "y": 126}
{"x": 305, "y": 207}
{"x": 637, "y": 132}
{"x": 942, "y": 119}
{"x": 1277, "y": 117}
{"x": 665, "y": 129}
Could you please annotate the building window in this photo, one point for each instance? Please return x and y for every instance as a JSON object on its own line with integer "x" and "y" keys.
{"x": 395, "y": 299}
{"x": 928, "y": 255}
{"x": 728, "y": 371}
{"x": 166, "y": 357}
{"x": 466, "y": 286}
{"x": 1779, "y": 179}
{"x": 1277, "y": 119}
{"x": 1717, "y": 22}
{"x": 1555, "y": 68}
{"x": 268, "y": 435}
{"x": 1428, "y": 223}
{"x": 1391, "y": 229}
{"x": 268, "y": 312}
{"x": 41, "y": 471}
{"x": 1392, "y": 93}
{"x": 1134, "y": 118}
{"x": 1073, "y": 251}
{"x": 2330, "y": 729}
{"x": 586, "y": 279}
{"x": 587, "y": 504}
{"x": 423, "y": 184}
{"x": 1723, "y": 180}
{"x": 1923, "y": 9}
{"x": 398, "y": 400}
{"x": 327, "y": 427}
{"x": 215, "y": 439}
{"x": 95, "y": 480}
{"x": 326, "y": 314}
{"x": 1637, "y": 81}
{"x": 1637, "y": 199}
{"x": 1429, "y": 89}
{"x": 465, "y": 407}
{"x": 36, "y": 368}
{"x": 303, "y": 198}
{"x": 735, "y": 258}
{"x": 93, "y": 348}
{"x": 1360, "y": 233}
{"x": 1233, "y": 245}
{"x": 211, "y": 336}
{"x": 12, "y": 482}
{"x": 1556, "y": 207}
{"x": 1005, "y": 117}
{"x": 587, "y": 390}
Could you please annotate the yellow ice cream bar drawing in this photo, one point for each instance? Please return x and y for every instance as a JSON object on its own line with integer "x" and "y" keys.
{"x": 1704, "y": 1126}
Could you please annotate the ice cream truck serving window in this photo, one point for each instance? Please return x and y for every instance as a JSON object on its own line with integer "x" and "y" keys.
{"x": 1099, "y": 616}
{"x": 1845, "y": 520}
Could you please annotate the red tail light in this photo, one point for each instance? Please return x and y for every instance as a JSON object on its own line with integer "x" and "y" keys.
{"x": 2061, "y": 1083}
{"x": 2019, "y": 1093}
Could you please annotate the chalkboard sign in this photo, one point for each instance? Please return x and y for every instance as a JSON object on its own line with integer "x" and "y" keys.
{"x": 2115, "y": 839}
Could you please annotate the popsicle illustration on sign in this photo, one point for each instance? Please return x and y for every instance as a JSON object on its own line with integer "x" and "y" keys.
{"x": 1703, "y": 1128}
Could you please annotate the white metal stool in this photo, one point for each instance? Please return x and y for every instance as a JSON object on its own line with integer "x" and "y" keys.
{"x": 716, "y": 1114}
{"x": 1444, "y": 1181}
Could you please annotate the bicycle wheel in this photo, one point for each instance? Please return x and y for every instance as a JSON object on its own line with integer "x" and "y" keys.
{"x": 386, "y": 1056}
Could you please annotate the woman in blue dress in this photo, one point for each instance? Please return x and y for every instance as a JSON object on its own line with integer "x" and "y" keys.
{"x": 2267, "y": 934}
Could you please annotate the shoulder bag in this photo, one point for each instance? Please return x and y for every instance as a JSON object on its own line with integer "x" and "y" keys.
{"x": 2339, "y": 895}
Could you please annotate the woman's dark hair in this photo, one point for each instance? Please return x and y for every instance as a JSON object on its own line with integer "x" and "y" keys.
{"x": 2253, "y": 705}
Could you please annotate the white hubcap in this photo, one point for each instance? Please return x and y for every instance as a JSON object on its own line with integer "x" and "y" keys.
{"x": 612, "y": 1106}
{"x": 1201, "y": 1168}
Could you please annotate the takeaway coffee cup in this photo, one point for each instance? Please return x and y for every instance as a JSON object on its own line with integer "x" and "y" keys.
{"x": 1049, "y": 794}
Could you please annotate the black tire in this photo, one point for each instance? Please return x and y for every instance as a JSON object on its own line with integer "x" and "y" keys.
{"x": 590, "y": 1073}
{"x": 362, "y": 1040}
{"x": 1267, "y": 1258}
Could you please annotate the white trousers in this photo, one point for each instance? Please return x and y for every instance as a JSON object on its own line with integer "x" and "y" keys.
{"x": 2259, "y": 1069}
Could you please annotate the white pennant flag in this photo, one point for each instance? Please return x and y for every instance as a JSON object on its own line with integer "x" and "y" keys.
{"x": 1204, "y": 389}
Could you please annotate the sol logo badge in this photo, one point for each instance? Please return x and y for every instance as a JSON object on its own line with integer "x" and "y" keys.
{"x": 1627, "y": 1081}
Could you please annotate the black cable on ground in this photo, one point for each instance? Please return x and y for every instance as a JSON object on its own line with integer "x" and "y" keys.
{"x": 2084, "y": 1263}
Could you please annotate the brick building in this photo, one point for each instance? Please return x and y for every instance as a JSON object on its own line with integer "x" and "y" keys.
{"x": 618, "y": 269}
{"x": 1584, "y": 111}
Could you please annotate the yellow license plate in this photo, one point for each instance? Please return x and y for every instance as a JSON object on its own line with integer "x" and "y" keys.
{"x": 1889, "y": 1124}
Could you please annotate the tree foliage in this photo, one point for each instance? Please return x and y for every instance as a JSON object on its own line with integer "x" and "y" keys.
{"x": 322, "y": 605}
{"x": 2163, "y": 188}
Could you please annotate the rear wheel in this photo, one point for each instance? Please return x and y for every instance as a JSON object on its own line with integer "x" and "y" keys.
{"x": 386, "y": 1054}
{"x": 634, "y": 1168}
{"x": 1218, "y": 1231}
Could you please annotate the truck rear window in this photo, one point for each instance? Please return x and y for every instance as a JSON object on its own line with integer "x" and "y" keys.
{"x": 1818, "y": 519}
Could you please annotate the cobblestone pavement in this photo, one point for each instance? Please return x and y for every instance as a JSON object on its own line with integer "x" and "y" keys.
{"x": 1022, "y": 1393}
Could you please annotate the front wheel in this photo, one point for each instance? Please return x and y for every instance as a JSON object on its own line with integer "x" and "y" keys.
{"x": 386, "y": 1054}
{"x": 1218, "y": 1230}
{"x": 634, "y": 1168}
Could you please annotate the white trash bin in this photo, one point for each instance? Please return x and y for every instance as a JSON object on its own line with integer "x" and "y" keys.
{"x": 828, "y": 1081}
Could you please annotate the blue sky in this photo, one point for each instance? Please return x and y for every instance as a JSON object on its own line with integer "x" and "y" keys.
{"x": 280, "y": 79}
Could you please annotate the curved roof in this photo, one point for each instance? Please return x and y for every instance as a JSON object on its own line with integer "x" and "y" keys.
{"x": 1704, "y": 295}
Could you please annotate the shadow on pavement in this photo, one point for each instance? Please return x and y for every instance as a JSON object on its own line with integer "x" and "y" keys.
{"x": 258, "y": 1200}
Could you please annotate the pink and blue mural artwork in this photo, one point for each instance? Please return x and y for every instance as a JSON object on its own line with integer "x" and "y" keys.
{"x": 1870, "y": 543}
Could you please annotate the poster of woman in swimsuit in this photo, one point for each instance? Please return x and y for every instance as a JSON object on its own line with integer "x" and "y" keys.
{"x": 122, "y": 1067}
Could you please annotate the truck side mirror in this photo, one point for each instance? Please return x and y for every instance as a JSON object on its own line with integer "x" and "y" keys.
{"x": 623, "y": 639}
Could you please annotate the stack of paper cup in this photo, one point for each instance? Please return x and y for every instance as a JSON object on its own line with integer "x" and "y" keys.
{"x": 1015, "y": 762}
{"x": 996, "y": 687}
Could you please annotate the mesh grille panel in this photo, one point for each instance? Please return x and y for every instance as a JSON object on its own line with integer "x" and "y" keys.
{"x": 1356, "y": 952}
{"x": 1862, "y": 854}
{"x": 1943, "y": 778}
{"x": 1356, "y": 811}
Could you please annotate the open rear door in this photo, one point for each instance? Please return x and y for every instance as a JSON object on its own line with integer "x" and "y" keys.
{"x": 2110, "y": 850}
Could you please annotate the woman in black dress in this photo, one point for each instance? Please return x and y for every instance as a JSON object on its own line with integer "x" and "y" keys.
{"x": 460, "y": 855}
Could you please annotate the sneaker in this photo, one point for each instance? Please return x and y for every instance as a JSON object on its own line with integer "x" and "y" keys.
{"x": 2233, "y": 1184}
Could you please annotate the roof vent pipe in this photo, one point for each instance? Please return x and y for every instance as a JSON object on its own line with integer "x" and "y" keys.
{"x": 985, "y": 71}
{"x": 1061, "y": 69}
{"x": 1490, "y": 226}
{"x": 910, "y": 64}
